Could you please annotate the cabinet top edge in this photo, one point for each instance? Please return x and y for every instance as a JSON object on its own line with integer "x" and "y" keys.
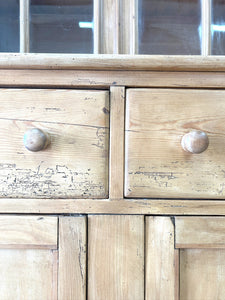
{"x": 111, "y": 62}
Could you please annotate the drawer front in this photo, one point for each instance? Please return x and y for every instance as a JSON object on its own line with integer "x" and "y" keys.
{"x": 75, "y": 163}
{"x": 156, "y": 165}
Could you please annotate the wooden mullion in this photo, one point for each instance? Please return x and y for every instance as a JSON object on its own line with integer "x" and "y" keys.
{"x": 24, "y": 26}
{"x": 206, "y": 27}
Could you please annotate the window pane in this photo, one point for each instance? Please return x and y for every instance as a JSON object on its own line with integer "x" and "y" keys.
{"x": 61, "y": 26}
{"x": 218, "y": 27}
{"x": 9, "y": 26}
{"x": 169, "y": 27}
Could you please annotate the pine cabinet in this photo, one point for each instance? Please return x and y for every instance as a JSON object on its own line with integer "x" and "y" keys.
{"x": 119, "y": 202}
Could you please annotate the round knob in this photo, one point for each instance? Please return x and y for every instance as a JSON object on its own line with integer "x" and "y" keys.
{"x": 35, "y": 140}
{"x": 195, "y": 141}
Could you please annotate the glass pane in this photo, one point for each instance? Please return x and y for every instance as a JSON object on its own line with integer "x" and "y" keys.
{"x": 9, "y": 26}
{"x": 61, "y": 26}
{"x": 218, "y": 27}
{"x": 169, "y": 27}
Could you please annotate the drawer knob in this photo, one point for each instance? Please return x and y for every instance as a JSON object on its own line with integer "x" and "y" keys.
{"x": 35, "y": 140}
{"x": 195, "y": 141}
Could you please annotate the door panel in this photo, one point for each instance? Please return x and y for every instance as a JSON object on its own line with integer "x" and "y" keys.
{"x": 115, "y": 257}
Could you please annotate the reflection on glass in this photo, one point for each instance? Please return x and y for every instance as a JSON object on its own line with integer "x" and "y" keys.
{"x": 218, "y": 27}
{"x": 169, "y": 27}
{"x": 61, "y": 26}
{"x": 9, "y": 26}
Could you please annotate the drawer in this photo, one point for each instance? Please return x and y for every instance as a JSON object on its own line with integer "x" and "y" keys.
{"x": 75, "y": 163}
{"x": 156, "y": 165}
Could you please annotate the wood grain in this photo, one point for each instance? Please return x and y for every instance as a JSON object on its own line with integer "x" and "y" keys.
{"x": 27, "y": 274}
{"x": 202, "y": 232}
{"x": 76, "y": 162}
{"x": 162, "y": 278}
{"x": 72, "y": 258}
{"x": 156, "y": 166}
{"x": 28, "y": 232}
{"x": 115, "y": 257}
{"x": 112, "y": 62}
{"x": 202, "y": 274}
{"x": 117, "y": 108}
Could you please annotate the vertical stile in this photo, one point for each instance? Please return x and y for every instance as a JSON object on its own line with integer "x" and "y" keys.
{"x": 97, "y": 16}
{"x": 206, "y": 27}
{"x": 128, "y": 26}
{"x": 24, "y": 26}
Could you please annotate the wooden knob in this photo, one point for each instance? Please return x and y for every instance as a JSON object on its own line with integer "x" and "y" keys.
{"x": 195, "y": 141}
{"x": 35, "y": 140}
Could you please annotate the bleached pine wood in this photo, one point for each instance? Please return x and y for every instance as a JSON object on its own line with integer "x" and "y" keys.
{"x": 128, "y": 27}
{"x": 161, "y": 267}
{"x": 120, "y": 206}
{"x": 206, "y": 34}
{"x": 72, "y": 258}
{"x": 109, "y": 26}
{"x": 117, "y": 107}
{"x": 115, "y": 257}
{"x": 105, "y": 79}
{"x": 28, "y": 232}
{"x": 76, "y": 162}
{"x": 24, "y": 26}
{"x": 97, "y": 24}
{"x": 204, "y": 232}
{"x": 112, "y": 62}
{"x": 28, "y": 274}
{"x": 156, "y": 166}
{"x": 202, "y": 274}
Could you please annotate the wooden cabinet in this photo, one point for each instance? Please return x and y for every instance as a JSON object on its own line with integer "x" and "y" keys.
{"x": 113, "y": 208}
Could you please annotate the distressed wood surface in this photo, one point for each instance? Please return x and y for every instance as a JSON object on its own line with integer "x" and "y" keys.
{"x": 161, "y": 269}
{"x": 28, "y": 274}
{"x": 112, "y": 62}
{"x": 202, "y": 274}
{"x": 75, "y": 164}
{"x": 116, "y": 169}
{"x": 105, "y": 79}
{"x": 115, "y": 257}
{"x": 28, "y": 232}
{"x": 115, "y": 206}
{"x": 72, "y": 258}
{"x": 204, "y": 232}
{"x": 156, "y": 166}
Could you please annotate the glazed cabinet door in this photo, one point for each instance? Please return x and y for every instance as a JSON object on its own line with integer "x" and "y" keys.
{"x": 185, "y": 258}
{"x": 42, "y": 258}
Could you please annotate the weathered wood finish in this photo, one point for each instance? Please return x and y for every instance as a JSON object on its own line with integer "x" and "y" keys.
{"x": 156, "y": 166}
{"x": 161, "y": 275}
{"x": 117, "y": 109}
{"x": 76, "y": 162}
{"x": 205, "y": 232}
{"x": 72, "y": 258}
{"x": 28, "y": 232}
{"x": 115, "y": 257}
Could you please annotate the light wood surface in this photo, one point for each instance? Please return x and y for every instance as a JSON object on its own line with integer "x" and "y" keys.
{"x": 76, "y": 162}
{"x": 161, "y": 269}
{"x": 115, "y": 257}
{"x": 156, "y": 166}
{"x": 28, "y": 232}
{"x": 202, "y": 274}
{"x": 206, "y": 34}
{"x": 117, "y": 108}
{"x": 72, "y": 258}
{"x": 104, "y": 79}
{"x": 204, "y": 232}
{"x": 28, "y": 274}
{"x": 112, "y": 62}
{"x": 24, "y": 26}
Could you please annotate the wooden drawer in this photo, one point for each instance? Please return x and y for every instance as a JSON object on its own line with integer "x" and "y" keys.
{"x": 156, "y": 165}
{"x": 75, "y": 164}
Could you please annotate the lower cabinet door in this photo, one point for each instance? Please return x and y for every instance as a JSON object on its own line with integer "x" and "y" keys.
{"x": 185, "y": 258}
